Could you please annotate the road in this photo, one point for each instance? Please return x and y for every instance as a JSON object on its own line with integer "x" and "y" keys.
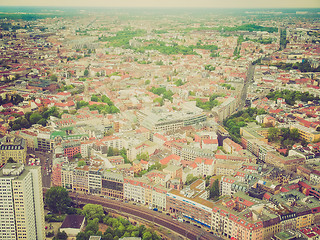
{"x": 185, "y": 229}
{"x": 244, "y": 91}
{"x": 46, "y": 164}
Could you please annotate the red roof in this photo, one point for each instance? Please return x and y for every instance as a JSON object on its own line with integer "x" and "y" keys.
{"x": 267, "y": 196}
{"x": 210, "y": 141}
{"x": 63, "y": 93}
{"x": 167, "y": 159}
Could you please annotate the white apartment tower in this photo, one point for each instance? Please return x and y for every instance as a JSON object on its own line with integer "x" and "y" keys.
{"x": 21, "y": 202}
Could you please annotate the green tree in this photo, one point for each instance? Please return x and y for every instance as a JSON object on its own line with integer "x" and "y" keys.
{"x": 273, "y": 134}
{"x": 147, "y": 236}
{"x": 93, "y": 211}
{"x": 190, "y": 179}
{"x": 141, "y": 229}
{"x": 95, "y": 98}
{"x": 35, "y": 117}
{"x": 108, "y": 236}
{"x": 294, "y": 134}
{"x": 123, "y": 153}
{"x": 143, "y": 156}
{"x": 82, "y": 236}
{"x": 214, "y": 190}
{"x": 25, "y": 123}
{"x": 42, "y": 122}
{"x": 158, "y": 100}
{"x": 54, "y": 78}
{"x": 86, "y": 73}
{"x": 16, "y": 127}
{"x": 81, "y": 163}
{"x": 179, "y": 82}
{"x": 77, "y": 155}
{"x": 93, "y": 225}
{"x": 62, "y": 235}
{"x": 110, "y": 152}
{"x": 57, "y": 199}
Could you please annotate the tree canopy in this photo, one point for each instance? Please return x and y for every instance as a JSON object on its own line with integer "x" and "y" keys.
{"x": 240, "y": 119}
{"x": 214, "y": 190}
{"x": 208, "y": 105}
{"x": 93, "y": 211}
{"x": 57, "y": 199}
{"x": 285, "y": 136}
{"x": 291, "y": 97}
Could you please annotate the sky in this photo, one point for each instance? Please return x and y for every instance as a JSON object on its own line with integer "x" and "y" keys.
{"x": 168, "y": 3}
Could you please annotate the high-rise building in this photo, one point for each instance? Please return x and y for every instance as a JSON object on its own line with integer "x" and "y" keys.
{"x": 21, "y": 202}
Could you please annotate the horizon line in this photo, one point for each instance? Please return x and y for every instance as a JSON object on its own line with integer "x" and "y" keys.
{"x": 163, "y": 7}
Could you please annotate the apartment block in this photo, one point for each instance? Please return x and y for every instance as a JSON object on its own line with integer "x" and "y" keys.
{"x": 13, "y": 147}
{"x": 21, "y": 208}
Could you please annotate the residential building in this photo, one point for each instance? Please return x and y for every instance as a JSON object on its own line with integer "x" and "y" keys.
{"x": 13, "y": 147}
{"x": 22, "y": 210}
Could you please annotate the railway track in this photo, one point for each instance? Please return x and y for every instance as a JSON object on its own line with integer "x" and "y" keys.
{"x": 186, "y": 230}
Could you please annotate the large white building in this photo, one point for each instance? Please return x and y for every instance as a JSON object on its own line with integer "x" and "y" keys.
{"x": 21, "y": 202}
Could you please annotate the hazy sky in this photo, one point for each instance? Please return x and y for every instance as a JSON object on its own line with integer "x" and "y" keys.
{"x": 169, "y": 3}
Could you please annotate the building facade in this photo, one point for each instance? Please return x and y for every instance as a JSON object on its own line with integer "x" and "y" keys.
{"x": 22, "y": 210}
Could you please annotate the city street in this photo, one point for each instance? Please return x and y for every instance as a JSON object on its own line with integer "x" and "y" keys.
{"x": 46, "y": 165}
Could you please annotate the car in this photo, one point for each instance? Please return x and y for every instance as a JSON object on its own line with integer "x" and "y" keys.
{"x": 168, "y": 214}
{"x": 126, "y": 201}
{"x": 134, "y": 203}
{"x": 187, "y": 221}
{"x": 160, "y": 211}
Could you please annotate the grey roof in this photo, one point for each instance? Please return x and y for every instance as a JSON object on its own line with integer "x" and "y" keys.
{"x": 72, "y": 221}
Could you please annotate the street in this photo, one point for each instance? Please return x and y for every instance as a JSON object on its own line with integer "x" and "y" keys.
{"x": 46, "y": 165}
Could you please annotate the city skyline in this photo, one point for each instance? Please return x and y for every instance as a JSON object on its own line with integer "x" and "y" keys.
{"x": 169, "y": 4}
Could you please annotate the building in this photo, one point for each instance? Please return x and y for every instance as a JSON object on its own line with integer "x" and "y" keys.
{"x": 307, "y": 134}
{"x": 71, "y": 148}
{"x": 190, "y": 205}
{"x": 80, "y": 179}
{"x": 95, "y": 179}
{"x": 236, "y": 218}
{"x": 45, "y": 143}
{"x": 112, "y": 185}
{"x": 158, "y": 119}
{"x": 73, "y": 224}
{"x": 230, "y": 185}
{"x": 230, "y": 146}
{"x": 134, "y": 189}
{"x": 226, "y": 109}
{"x": 289, "y": 163}
{"x": 13, "y": 147}
{"x": 22, "y": 210}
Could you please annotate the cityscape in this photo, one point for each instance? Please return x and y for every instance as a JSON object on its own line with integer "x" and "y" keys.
{"x": 147, "y": 123}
